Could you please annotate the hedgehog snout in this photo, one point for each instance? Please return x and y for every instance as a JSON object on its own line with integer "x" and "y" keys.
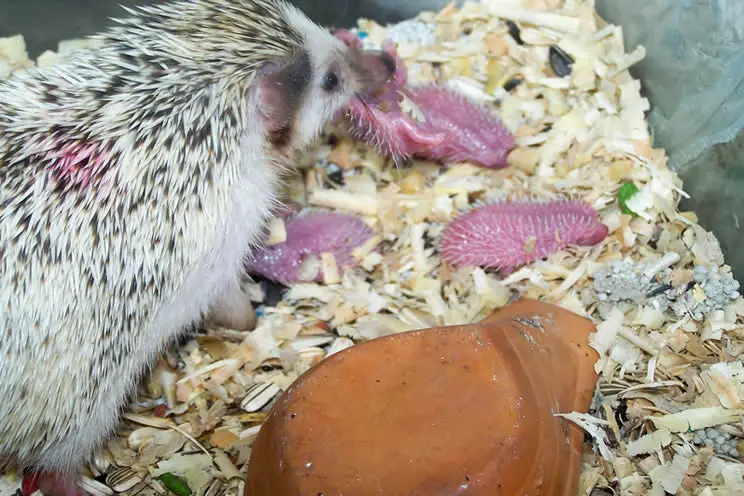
{"x": 378, "y": 68}
{"x": 389, "y": 63}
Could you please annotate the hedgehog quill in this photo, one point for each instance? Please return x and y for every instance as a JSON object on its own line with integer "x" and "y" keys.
{"x": 135, "y": 179}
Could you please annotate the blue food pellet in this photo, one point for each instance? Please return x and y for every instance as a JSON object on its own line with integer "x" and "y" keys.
{"x": 362, "y": 34}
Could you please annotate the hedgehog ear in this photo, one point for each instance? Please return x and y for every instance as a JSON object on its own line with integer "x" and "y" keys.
{"x": 350, "y": 39}
{"x": 281, "y": 88}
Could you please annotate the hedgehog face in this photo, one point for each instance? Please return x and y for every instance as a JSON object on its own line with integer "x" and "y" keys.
{"x": 331, "y": 74}
{"x": 339, "y": 76}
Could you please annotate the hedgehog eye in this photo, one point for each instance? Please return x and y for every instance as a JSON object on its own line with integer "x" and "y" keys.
{"x": 330, "y": 81}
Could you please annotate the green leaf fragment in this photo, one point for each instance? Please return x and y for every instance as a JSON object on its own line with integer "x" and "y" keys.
{"x": 175, "y": 484}
{"x": 626, "y": 192}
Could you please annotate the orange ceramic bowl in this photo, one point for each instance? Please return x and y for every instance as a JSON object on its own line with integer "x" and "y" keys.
{"x": 463, "y": 410}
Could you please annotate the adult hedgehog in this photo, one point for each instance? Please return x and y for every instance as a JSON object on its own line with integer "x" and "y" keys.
{"x": 134, "y": 179}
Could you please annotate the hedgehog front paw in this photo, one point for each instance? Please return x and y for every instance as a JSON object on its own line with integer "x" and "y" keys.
{"x": 234, "y": 312}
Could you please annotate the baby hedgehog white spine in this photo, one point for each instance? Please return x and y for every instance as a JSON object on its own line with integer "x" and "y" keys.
{"x": 133, "y": 181}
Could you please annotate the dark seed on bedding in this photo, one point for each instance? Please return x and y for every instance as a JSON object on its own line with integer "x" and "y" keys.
{"x": 514, "y": 32}
{"x": 560, "y": 61}
{"x": 336, "y": 174}
{"x": 512, "y": 83}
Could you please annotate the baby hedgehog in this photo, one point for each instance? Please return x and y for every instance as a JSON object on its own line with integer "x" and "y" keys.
{"x": 134, "y": 180}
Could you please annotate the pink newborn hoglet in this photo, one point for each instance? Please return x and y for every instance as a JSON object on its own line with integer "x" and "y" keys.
{"x": 429, "y": 122}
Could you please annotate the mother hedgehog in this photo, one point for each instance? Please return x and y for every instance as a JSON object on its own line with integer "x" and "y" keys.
{"x": 133, "y": 181}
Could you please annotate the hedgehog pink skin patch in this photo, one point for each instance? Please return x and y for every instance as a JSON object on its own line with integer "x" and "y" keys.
{"x": 506, "y": 235}
{"x": 310, "y": 233}
{"x": 51, "y": 483}
{"x": 75, "y": 163}
{"x": 428, "y": 122}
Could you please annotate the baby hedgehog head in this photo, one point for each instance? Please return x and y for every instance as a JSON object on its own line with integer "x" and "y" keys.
{"x": 265, "y": 54}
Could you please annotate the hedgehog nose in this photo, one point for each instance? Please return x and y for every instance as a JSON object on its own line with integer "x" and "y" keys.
{"x": 379, "y": 67}
{"x": 389, "y": 62}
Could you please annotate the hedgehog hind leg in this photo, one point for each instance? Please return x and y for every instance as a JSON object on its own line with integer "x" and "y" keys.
{"x": 52, "y": 484}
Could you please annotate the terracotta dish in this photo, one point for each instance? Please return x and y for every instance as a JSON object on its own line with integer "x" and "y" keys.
{"x": 463, "y": 410}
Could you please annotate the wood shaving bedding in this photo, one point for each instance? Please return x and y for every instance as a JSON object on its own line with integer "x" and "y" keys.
{"x": 667, "y": 413}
